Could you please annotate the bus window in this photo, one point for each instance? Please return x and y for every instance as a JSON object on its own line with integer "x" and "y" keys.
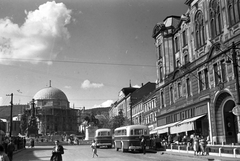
{"x": 124, "y": 132}
{"x": 104, "y": 133}
{"x": 145, "y": 132}
{"x": 132, "y": 132}
{"x": 138, "y": 131}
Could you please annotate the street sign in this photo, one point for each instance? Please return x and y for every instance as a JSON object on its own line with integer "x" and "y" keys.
{"x": 236, "y": 110}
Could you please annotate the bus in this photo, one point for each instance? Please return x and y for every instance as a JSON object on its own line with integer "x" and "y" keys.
{"x": 103, "y": 137}
{"x": 128, "y": 137}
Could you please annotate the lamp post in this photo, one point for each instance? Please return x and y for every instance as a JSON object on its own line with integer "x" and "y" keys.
{"x": 10, "y": 128}
{"x": 236, "y": 109}
{"x": 235, "y": 66}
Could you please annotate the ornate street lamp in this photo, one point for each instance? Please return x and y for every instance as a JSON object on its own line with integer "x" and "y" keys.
{"x": 236, "y": 109}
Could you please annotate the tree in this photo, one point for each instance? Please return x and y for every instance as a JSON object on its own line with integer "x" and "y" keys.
{"x": 24, "y": 123}
{"x": 118, "y": 121}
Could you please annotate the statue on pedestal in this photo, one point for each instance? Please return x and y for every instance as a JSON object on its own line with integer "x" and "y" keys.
{"x": 32, "y": 129}
{"x": 90, "y": 125}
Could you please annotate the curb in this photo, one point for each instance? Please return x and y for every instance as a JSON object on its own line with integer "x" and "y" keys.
{"x": 207, "y": 158}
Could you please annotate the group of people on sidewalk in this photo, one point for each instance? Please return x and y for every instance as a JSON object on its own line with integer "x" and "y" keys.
{"x": 199, "y": 145}
{"x": 6, "y": 150}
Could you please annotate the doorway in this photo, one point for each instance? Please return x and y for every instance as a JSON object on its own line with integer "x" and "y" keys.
{"x": 230, "y": 122}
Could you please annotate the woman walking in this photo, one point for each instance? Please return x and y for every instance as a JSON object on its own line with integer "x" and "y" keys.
{"x": 57, "y": 152}
{"x": 195, "y": 144}
{"x": 94, "y": 148}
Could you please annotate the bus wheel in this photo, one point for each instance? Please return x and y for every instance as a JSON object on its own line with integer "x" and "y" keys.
{"x": 117, "y": 149}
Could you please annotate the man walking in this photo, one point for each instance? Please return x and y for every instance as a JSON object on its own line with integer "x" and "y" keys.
{"x": 10, "y": 149}
{"x": 143, "y": 144}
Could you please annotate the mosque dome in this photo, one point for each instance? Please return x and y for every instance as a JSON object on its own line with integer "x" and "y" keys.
{"x": 50, "y": 93}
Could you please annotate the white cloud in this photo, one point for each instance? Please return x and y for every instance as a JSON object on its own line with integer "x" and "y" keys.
{"x": 136, "y": 86}
{"x": 41, "y": 33}
{"x": 67, "y": 87}
{"x": 87, "y": 84}
{"x": 107, "y": 103}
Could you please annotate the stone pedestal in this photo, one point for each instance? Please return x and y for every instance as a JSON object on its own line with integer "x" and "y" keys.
{"x": 90, "y": 132}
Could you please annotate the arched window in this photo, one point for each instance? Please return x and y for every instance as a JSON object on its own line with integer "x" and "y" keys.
{"x": 199, "y": 29}
{"x": 215, "y": 18}
{"x": 233, "y": 11}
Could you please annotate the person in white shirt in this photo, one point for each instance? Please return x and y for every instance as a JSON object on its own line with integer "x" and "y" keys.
{"x": 94, "y": 148}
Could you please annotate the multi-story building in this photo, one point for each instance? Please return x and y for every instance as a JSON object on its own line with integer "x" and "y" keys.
{"x": 123, "y": 102}
{"x": 136, "y": 105}
{"x": 150, "y": 110}
{"x": 197, "y": 85}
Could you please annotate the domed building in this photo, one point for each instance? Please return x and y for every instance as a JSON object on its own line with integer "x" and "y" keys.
{"x": 53, "y": 112}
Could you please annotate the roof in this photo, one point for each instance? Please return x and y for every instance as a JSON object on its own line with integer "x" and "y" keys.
{"x": 128, "y": 90}
{"x": 50, "y": 93}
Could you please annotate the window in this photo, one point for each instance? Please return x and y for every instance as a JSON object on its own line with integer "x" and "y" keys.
{"x": 178, "y": 63}
{"x": 200, "y": 81}
{"x": 171, "y": 94}
{"x": 188, "y": 87}
{"x": 215, "y": 18}
{"x": 179, "y": 90}
{"x": 162, "y": 99}
{"x": 206, "y": 78}
{"x": 233, "y": 11}
{"x": 160, "y": 51}
{"x": 223, "y": 70}
{"x": 216, "y": 74}
{"x": 161, "y": 74}
{"x": 186, "y": 60}
{"x": 176, "y": 44}
{"x": 184, "y": 36}
{"x": 199, "y": 29}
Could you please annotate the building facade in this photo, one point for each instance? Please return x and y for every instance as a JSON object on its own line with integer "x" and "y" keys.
{"x": 123, "y": 102}
{"x": 197, "y": 85}
{"x": 139, "y": 101}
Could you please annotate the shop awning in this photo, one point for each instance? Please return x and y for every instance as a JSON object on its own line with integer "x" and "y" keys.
{"x": 185, "y": 125}
{"x": 162, "y": 129}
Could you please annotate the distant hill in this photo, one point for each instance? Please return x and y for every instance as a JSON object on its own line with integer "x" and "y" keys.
{"x": 17, "y": 109}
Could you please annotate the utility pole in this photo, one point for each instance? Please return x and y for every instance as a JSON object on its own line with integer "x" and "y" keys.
{"x": 10, "y": 129}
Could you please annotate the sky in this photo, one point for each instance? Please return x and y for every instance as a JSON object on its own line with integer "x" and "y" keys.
{"x": 89, "y": 49}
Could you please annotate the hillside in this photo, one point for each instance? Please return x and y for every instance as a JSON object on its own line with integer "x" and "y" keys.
{"x": 5, "y": 110}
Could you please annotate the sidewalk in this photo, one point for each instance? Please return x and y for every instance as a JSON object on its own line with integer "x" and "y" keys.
{"x": 191, "y": 155}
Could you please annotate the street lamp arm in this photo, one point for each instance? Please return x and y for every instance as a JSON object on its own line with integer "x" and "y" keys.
{"x": 235, "y": 66}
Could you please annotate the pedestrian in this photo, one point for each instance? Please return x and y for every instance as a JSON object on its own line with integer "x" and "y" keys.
{"x": 195, "y": 144}
{"x": 10, "y": 149}
{"x": 57, "y": 152}
{"x": 202, "y": 143}
{"x": 32, "y": 143}
{"x": 94, "y": 148}
{"x": 24, "y": 142}
{"x": 3, "y": 155}
{"x": 5, "y": 143}
{"x": 143, "y": 144}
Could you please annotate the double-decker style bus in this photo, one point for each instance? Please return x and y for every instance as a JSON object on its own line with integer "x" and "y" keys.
{"x": 103, "y": 137}
{"x": 129, "y": 137}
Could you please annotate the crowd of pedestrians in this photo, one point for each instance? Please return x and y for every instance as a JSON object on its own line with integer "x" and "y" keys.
{"x": 9, "y": 145}
{"x": 195, "y": 141}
